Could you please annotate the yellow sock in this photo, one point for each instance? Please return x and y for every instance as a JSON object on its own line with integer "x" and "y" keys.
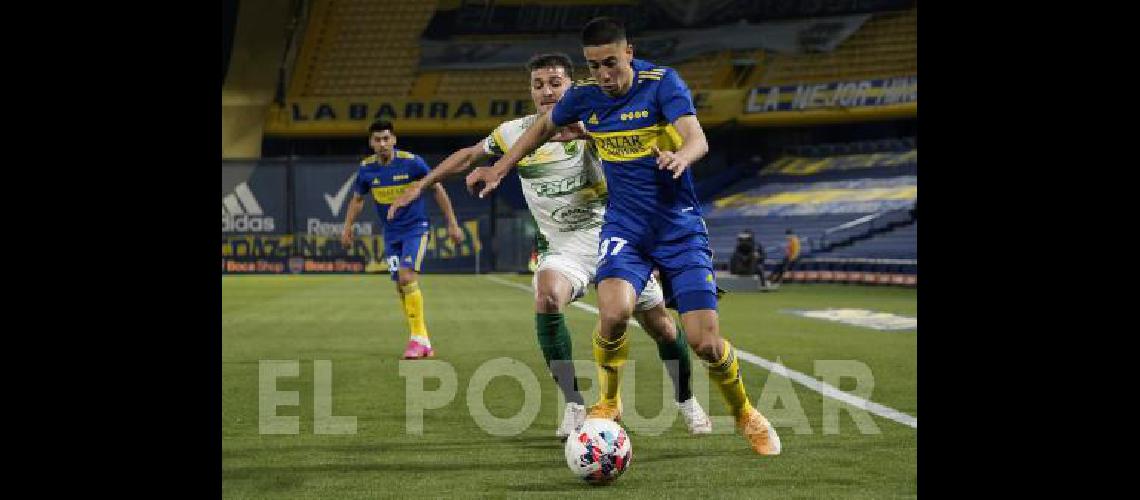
{"x": 610, "y": 356}
{"x": 414, "y": 309}
{"x": 725, "y": 373}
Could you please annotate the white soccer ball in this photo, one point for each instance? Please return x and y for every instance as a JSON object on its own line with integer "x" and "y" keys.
{"x": 599, "y": 452}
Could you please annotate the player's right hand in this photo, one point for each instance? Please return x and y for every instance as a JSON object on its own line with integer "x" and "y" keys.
{"x": 346, "y": 237}
{"x": 411, "y": 194}
{"x": 571, "y": 132}
{"x": 486, "y": 175}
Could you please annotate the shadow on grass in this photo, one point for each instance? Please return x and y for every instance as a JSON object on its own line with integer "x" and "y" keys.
{"x": 417, "y": 447}
{"x": 263, "y": 471}
{"x": 571, "y": 485}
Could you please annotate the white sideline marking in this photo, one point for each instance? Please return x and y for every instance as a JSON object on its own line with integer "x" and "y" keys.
{"x": 805, "y": 380}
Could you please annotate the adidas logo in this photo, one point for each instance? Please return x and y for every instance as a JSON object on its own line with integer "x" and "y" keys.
{"x": 593, "y": 119}
{"x": 241, "y": 213}
{"x": 241, "y": 202}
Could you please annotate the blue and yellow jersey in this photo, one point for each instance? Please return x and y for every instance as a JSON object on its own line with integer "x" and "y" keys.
{"x": 383, "y": 183}
{"x": 643, "y": 199}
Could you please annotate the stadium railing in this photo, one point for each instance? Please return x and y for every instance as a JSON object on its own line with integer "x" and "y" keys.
{"x": 862, "y": 227}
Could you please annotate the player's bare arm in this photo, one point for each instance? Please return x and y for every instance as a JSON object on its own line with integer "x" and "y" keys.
{"x": 455, "y": 163}
{"x": 535, "y": 136}
{"x": 693, "y": 148}
{"x": 354, "y": 208}
{"x": 444, "y": 203}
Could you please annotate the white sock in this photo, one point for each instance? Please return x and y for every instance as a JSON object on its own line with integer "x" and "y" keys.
{"x": 422, "y": 340}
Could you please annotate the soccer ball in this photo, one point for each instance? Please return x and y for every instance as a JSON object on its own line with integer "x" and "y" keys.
{"x": 599, "y": 452}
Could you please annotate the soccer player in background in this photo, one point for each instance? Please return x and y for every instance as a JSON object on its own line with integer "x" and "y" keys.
{"x": 644, "y": 124}
{"x": 385, "y": 175}
{"x": 566, "y": 192}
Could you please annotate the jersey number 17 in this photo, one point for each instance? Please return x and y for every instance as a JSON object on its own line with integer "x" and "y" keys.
{"x": 604, "y": 247}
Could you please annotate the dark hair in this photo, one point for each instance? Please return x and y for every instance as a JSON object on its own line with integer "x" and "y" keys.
{"x": 380, "y": 126}
{"x": 551, "y": 60}
{"x": 602, "y": 31}
{"x": 789, "y": 231}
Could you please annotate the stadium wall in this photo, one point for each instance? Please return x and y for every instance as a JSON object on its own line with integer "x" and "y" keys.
{"x": 287, "y": 216}
{"x": 251, "y": 78}
{"x": 807, "y": 104}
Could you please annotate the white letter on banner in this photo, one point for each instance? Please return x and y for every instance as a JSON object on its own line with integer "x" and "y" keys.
{"x": 772, "y": 102}
{"x": 750, "y": 104}
{"x": 803, "y": 97}
{"x": 817, "y": 95}
{"x": 864, "y": 86}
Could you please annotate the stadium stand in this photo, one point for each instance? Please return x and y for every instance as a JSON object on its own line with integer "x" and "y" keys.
{"x": 477, "y": 82}
{"x": 885, "y": 46}
{"x": 890, "y": 244}
{"x": 342, "y": 46}
{"x": 704, "y": 73}
{"x": 842, "y": 206}
{"x": 712, "y": 71}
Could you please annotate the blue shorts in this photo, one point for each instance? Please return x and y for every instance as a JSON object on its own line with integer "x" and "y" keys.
{"x": 686, "y": 266}
{"x": 407, "y": 252}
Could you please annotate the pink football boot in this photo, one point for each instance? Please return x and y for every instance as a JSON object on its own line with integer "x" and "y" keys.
{"x": 416, "y": 350}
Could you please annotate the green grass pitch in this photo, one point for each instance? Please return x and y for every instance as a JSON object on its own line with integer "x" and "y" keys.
{"x": 355, "y": 323}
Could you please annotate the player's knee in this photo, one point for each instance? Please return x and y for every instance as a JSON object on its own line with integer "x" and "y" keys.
{"x": 662, "y": 328}
{"x": 709, "y": 351}
{"x": 709, "y": 345}
{"x": 547, "y": 302}
{"x": 667, "y": 332}
{"x": 614, "y": 319}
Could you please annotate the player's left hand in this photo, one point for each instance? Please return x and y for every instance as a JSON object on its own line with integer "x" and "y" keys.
{"x": 455, "y": 234}
{"x": 672, "y": 161}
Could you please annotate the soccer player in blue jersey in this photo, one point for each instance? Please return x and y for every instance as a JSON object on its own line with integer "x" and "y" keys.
{"x": 385, "y": 175}
{"x": 643, "y": 122}
{"x": 566, "y": 178}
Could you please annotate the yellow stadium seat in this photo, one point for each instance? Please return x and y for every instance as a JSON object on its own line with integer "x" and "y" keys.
{"x": 344, "y": 52}
{"x": 883, "y": 47}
